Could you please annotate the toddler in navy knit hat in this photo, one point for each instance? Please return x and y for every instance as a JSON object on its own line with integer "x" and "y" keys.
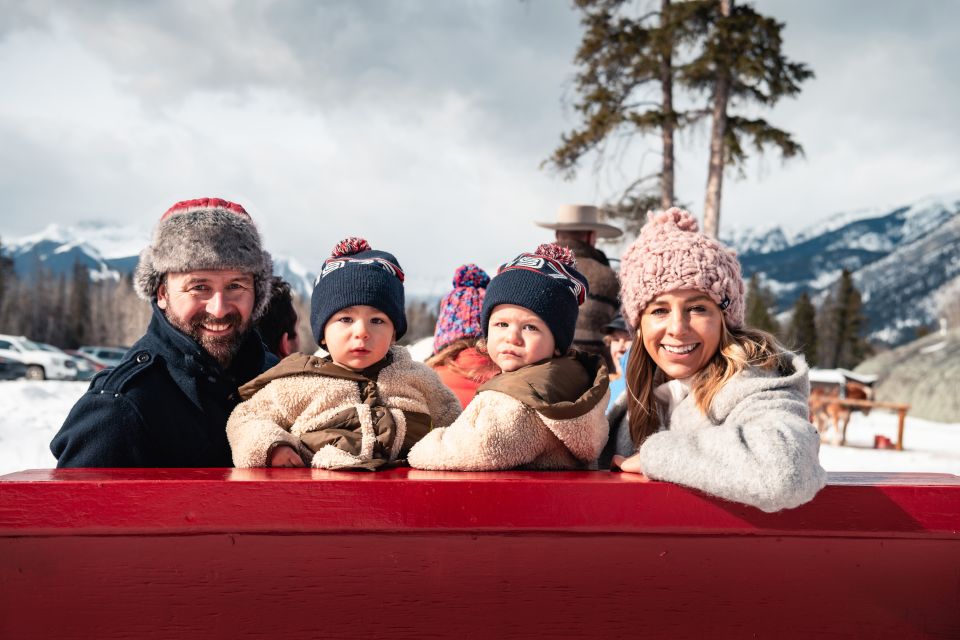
{"x": 364, "y": 405}
{"x": 546, "y": 408}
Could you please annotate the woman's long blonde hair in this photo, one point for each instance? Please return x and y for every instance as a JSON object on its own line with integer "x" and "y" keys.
{"x": 739, "y": 348}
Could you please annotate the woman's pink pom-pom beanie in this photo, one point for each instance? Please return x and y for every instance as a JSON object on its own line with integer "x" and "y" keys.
{"x": 672, "y": 254}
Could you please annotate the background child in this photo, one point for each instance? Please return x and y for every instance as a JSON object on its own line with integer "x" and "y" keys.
{"x": 546, "y": 410}
{"x": 366, "y": 404}
{"x": 455, "y": 357}
{"x": 712, "y": 404}
{"x": 618, "y": 340}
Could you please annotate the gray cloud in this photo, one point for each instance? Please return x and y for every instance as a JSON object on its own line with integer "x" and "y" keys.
{"x": 391, "y": 118}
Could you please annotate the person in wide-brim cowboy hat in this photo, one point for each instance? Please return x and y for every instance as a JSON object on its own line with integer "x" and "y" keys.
{"x": 578, "y": 227}
{"x": 581, "y": 218}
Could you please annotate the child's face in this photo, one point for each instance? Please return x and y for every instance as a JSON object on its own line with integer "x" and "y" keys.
{"x": 517, "y": 337}
{"x": 357, "y": 337}
{"x": 681, "y": 331}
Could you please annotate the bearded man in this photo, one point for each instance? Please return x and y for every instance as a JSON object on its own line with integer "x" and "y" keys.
{"x": 167, "y": 403}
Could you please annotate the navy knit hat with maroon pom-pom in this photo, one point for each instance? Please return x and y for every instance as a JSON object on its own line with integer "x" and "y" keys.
{"x": 546, "y": 282}
{"x": 355, "y": 274}
{"x": 460, "y": 309}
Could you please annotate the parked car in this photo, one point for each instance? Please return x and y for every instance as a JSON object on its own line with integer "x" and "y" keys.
{"x": 41, "y": 364}
{"x": 107, "y": 356}
{"x": 85, "y": 368}
{"x": 11, "y": 369}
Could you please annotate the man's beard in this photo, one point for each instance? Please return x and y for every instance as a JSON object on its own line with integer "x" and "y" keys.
{"x": 221, "y": 348}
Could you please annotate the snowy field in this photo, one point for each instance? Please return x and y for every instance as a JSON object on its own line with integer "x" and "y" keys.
{"x": 31, "y": 414}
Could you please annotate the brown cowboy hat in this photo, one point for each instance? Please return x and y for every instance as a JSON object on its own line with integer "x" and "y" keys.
{"x": 581, "y": 217}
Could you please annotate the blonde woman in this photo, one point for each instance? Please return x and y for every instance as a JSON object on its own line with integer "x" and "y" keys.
{"x": 710, "y": 403}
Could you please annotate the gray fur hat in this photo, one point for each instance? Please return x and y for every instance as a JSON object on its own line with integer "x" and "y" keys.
{"x": 208, "y": 233}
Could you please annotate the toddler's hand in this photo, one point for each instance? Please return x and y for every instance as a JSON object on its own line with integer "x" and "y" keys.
{"x": 630, "y": 465}
{"x": 285, "y": 456}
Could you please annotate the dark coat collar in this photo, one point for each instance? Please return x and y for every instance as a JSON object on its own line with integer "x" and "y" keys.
{"x": 184, "y": 354}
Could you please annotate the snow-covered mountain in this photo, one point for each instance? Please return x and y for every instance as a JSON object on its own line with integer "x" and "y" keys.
{"x": 899, "y": 258}
{"x": 109, "y": 250}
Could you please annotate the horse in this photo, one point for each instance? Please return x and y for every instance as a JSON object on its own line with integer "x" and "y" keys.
{"x": 826, "y": 411}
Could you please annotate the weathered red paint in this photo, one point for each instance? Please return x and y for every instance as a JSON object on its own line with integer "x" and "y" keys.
{"x": 299, "y": 553}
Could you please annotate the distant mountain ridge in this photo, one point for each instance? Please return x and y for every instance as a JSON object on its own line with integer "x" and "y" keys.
{"x": 899, "y": 258}
{"x": 109, "y": 250}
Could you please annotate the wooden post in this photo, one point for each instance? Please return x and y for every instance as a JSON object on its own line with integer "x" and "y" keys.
{"x": 902, "y": 418}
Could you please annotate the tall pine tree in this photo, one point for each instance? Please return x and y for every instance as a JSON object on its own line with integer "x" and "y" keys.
{"x": 742, "y": 63}
{"x": 624, "y": 60}
{"x": 802, "y": 334}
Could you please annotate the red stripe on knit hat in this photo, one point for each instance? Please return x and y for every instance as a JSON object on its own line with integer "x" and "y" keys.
{"x": 204, "y": 203}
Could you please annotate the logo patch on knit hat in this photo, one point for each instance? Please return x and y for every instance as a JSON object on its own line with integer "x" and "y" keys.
{"x": 551, "y": 269}
{"x": 333, "y": 264}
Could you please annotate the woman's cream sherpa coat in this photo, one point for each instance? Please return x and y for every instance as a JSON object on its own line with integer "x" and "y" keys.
{"x": 292, "y": 406}
{"x": 755, "y": 446}
{"x": 544, "y": 416}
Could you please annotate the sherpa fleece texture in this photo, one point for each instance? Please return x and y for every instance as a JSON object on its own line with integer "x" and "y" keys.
{"x": 498, "y": 431}
{"x": 289, "y": 407}
{"x": 755, "y": 446}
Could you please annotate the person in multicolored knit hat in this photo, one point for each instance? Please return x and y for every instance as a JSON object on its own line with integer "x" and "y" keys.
{"x": 710, "y": 403}
{"x": 166, "y": 404}
{"x": 545, "y": 410}
{"x": 455, "y": 356}
{"x": 364, "y": 405}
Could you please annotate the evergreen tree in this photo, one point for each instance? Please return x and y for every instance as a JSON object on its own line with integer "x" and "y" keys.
{"x": 7, "y": 276}
{"x": 759, "y": 302}
{"x": 78, "y": 317}
{"x": 742, "y": 62}
{"x": 623, "y": 58}
{"x": 843, "y": 325}
{"x": 803, "y": 328}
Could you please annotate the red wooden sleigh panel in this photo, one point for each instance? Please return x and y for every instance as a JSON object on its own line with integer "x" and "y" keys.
{"x": 215, "y": 553}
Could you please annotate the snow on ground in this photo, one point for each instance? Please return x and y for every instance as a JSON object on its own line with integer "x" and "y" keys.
{"x": 31, "y": 414}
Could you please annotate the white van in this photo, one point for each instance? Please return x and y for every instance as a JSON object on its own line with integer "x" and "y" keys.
{"x": 41, "y": 365}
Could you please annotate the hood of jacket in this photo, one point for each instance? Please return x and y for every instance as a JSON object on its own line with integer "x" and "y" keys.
{"x": 188, "y": 363}
{"x": 561, "y": 388}
{"x": 794, "y": 375}
{"x": 299, "y": 364}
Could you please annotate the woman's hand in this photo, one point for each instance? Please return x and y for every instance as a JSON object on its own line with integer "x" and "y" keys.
{"x": 630, "y": 465}
{"x": 285, "y": 456}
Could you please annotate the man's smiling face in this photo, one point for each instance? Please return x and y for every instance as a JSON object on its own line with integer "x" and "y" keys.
{"x": 213, "y": 307}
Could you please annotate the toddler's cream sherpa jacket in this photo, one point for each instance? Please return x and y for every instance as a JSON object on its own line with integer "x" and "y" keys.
{"x": 338, "y": 418}
{"x": 548, "y": 415}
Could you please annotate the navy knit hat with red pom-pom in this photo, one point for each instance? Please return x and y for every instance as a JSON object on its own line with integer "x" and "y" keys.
{"x": 355, "y": 274}
{"x": 546, "y": 282}
{"x": 460, "y": 309}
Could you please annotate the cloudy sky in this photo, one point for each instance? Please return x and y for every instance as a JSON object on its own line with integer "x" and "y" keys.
{"x": 421, "y": 125}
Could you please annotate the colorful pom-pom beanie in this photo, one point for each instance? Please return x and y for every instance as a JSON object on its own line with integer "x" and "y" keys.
{"x": 201, "y": 234}
{"x": 355, "y": 274}
{"x": 546, "y": 282}
{"x": 461, "y": 308}
{"x": 672, "y": 254}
